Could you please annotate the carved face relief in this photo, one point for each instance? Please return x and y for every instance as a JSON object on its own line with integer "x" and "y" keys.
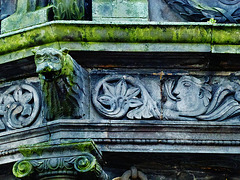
{"x": 186, "y": 99}
{"x": 49, "y": 63}
{"x": 188, "y": 94}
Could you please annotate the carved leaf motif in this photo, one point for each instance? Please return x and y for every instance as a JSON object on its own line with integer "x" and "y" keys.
{"x": 26, "y": 98}
{"x": 8, "y": 99}
{"x": 147, "y": 110}
{"x": 108, "y": 89}
{"x": 121, "y": 88}
{"x": 134, "y": 103}
{"x": 132, "y": 92}
{"x": 105, "y": 99}
{"x": 126, "y": 97}
{"x": 27, "y": 110}
{"x": 17, "y": 95}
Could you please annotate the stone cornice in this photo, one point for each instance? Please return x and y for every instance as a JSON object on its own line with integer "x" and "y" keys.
{"x": 153, "y": 136}
{"x": 119, "y": 36}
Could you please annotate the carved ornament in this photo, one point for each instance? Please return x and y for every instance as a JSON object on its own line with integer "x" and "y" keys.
{"x": 189, "y": 98}
{"x": 223, "y": 11}
{"x": 19, "y": 106}
{"x": 119, "y": 96}
{"x": 63, "y": 84}
{"x": 44, "y": 160}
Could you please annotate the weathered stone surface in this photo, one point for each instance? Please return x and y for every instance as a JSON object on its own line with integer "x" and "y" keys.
{"x": 26, "y": 15}
{"x": 67, "y": 160}
{"x": 68, "y": 10}
{"x": 160, "y": 11}
{"x": 117, "y": 96}
{"x": 120, "y": 10}
{"x": 20, "y": 105}
{"x": 192, "y": 99}
{"x": 148, "y": 37}
{"x": 64, "y": 84}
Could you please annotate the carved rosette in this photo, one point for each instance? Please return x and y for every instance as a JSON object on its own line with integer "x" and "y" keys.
{"x": 119, "y": 96}
{"x": 19, "y": 106}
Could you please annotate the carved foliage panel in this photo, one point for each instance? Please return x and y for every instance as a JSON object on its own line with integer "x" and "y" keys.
{"x": 125, "y": 96}
{"x": 179, "y": 97}
{"x": 20, "y": 105}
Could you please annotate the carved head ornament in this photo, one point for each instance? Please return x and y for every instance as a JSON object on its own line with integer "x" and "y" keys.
{"x": 49, "y": 62}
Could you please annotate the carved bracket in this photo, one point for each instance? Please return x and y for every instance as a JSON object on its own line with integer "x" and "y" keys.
{"x": 64, "y": 84}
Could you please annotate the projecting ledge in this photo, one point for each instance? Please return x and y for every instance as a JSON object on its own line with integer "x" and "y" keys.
{"x": 152, "y": 136}
{"x": 119, "y": 36}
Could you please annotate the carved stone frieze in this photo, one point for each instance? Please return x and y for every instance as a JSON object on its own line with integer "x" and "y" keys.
{"x": 117, "y": 96}
{"x": 64, "y": 84}
{"x": 19, "y": 106}
{"x": 223, "y": 11}
{"x": 183, "y": 98}
{"x": 190, "y": 98}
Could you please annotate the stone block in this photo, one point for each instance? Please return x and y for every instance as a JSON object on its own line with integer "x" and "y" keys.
{"x": 120, "y": 10}
{"x": 21, "y": 20}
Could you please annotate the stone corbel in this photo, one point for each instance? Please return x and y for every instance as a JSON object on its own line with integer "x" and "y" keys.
{"x": 62, "y": 161}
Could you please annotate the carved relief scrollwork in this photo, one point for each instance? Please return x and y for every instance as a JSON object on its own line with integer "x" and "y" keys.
{"x": 189, "y": 98}
{"x": 22, "y": 169}
{"x": 117, "y": 96}
{"x": 223, "y": 11}
{"x": 19, "y": 106}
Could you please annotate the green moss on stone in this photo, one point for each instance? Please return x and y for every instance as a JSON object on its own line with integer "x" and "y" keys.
{"x": 29, "y": 150}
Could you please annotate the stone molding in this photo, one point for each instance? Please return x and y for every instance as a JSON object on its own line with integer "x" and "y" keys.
{"x": 204, "y": 37}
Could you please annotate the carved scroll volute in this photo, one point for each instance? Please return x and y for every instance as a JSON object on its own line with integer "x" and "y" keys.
{"x": 23, "y": 169}
{"x": 64, "y": 84}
